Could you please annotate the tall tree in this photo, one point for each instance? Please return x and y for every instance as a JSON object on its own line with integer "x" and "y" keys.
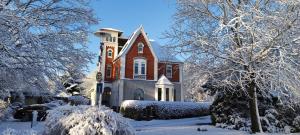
{"x": 248, "y": 45}
{"x": 40, "y": 39}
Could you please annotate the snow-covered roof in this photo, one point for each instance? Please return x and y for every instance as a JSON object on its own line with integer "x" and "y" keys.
{"x": 111, "y": 29}
{"x": 129, "y": 41}
{"x": 163, "y": 53}
{"x": 163, "y": 80}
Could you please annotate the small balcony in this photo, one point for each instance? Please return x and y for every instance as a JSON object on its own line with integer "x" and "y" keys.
{"x": 139, "y": 77}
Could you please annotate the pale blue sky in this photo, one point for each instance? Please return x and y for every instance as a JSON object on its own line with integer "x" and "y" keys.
{"x": 127, "y": 15}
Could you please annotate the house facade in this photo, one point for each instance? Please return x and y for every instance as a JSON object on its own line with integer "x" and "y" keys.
{"x": 137, "y": 68}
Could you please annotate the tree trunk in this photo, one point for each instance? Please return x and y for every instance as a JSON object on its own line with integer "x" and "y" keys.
{"x": 254, "y": 114}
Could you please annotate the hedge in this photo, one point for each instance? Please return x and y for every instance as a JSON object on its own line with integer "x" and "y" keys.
{"x": 147, "y": 110}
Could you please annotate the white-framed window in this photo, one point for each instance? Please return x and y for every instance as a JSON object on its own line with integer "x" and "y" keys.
{"x": 109, "y": 53}
{"x": 169, "y": 71}
{"x": 108, "y": 71}
{"x": 114, "y": 39}
{"x": 140, "y": 68}
{"x": 140, "y": 48}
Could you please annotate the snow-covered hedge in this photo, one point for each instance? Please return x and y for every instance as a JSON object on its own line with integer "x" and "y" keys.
{"x": 78, "y": 100}
{"x": 141, "y": 110}
{"x": 86, "y": 120}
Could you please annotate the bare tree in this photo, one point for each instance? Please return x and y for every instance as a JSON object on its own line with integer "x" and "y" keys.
{"x": 40, "y": 40}
{"x": 246, "y": 44}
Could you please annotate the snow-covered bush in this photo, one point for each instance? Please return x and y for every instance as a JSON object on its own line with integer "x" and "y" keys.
{"x": 79, "y": 100}
{"x": 296, "y": 124}
{"x": 231, "y": 111}
{"x": 10, "y": 131}
{"x": 86, "y": 120}
{"x": 3, "y": 106}
{"x": 140, "y": 110}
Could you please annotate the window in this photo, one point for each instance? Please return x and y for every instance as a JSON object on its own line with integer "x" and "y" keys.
{"x": 107, "y": 38}
{"x": 110, "y": 39}
{"x": 140, "y": 68}
{"x": 143, "y": 68}
{"x": 108, "y": 71}
{"x": 138, "y": 94}
{"x": 159, "y": 94}
{"x": 114, "y": 39}
{"x": 136, "y": 68}
{"x": 109, "y": 53}
{"x": 167, "y": 94}
{"x": 169, "y": 71}
{"x": 140, "y": 48}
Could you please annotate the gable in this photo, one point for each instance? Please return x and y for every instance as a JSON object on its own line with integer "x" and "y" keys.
{"x": 138, "y": 32}
{"x": 133, "y": 54}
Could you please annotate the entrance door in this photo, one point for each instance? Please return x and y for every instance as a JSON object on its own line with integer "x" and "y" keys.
{"x": 106, "y": 97}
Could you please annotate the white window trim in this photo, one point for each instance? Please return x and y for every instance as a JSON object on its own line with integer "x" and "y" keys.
{"x": 169, "y": 75}
{"x": 141, "y": 44}
{"x": 108, "y": 53}
{"x": 140, "y": 61}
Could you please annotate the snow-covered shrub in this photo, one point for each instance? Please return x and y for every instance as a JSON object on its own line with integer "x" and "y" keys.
{"x": 86, "y": 120}
{"x": 296, "y": 124}
{"x": 140, "y": 110}
{"x": 231, "y": 110}
{"x": 10, "y": 131}
{"x": 3, "y": 106}
{"x": 79, "y": 100}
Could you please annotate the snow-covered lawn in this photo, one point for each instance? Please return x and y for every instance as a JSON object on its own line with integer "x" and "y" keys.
{"x": 18, "y": 126}
{"x": 187, "y": 126}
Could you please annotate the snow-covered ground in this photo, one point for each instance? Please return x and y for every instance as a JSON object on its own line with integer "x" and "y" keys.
{"x": 187, "y": 126}
{"x": 22, "y": 126}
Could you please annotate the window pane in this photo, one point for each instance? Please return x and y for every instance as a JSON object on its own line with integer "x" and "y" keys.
{"x": 108, "y": 71}
{"x": 136, "y": 68}
{"x": 169, "y": 71}
{"x": 143, "y": 69}
{"x": 114, "y": 39}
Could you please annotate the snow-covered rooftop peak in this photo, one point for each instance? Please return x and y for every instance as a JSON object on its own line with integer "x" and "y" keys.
{"x": 111, "y": 29}
{"x": 163, "y": 80}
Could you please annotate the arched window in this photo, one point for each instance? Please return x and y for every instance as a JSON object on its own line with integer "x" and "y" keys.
{"x": 138, "y": 94}
{"x": 140, "y": 48}
{"x": 109, "y": 53}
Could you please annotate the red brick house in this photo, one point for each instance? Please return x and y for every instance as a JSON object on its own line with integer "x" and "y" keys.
{"x": 137, "y": 68}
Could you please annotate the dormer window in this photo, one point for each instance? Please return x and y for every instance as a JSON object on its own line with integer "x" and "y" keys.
{"x": 140, "y": 48}
{"x": 109, "y": 53}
